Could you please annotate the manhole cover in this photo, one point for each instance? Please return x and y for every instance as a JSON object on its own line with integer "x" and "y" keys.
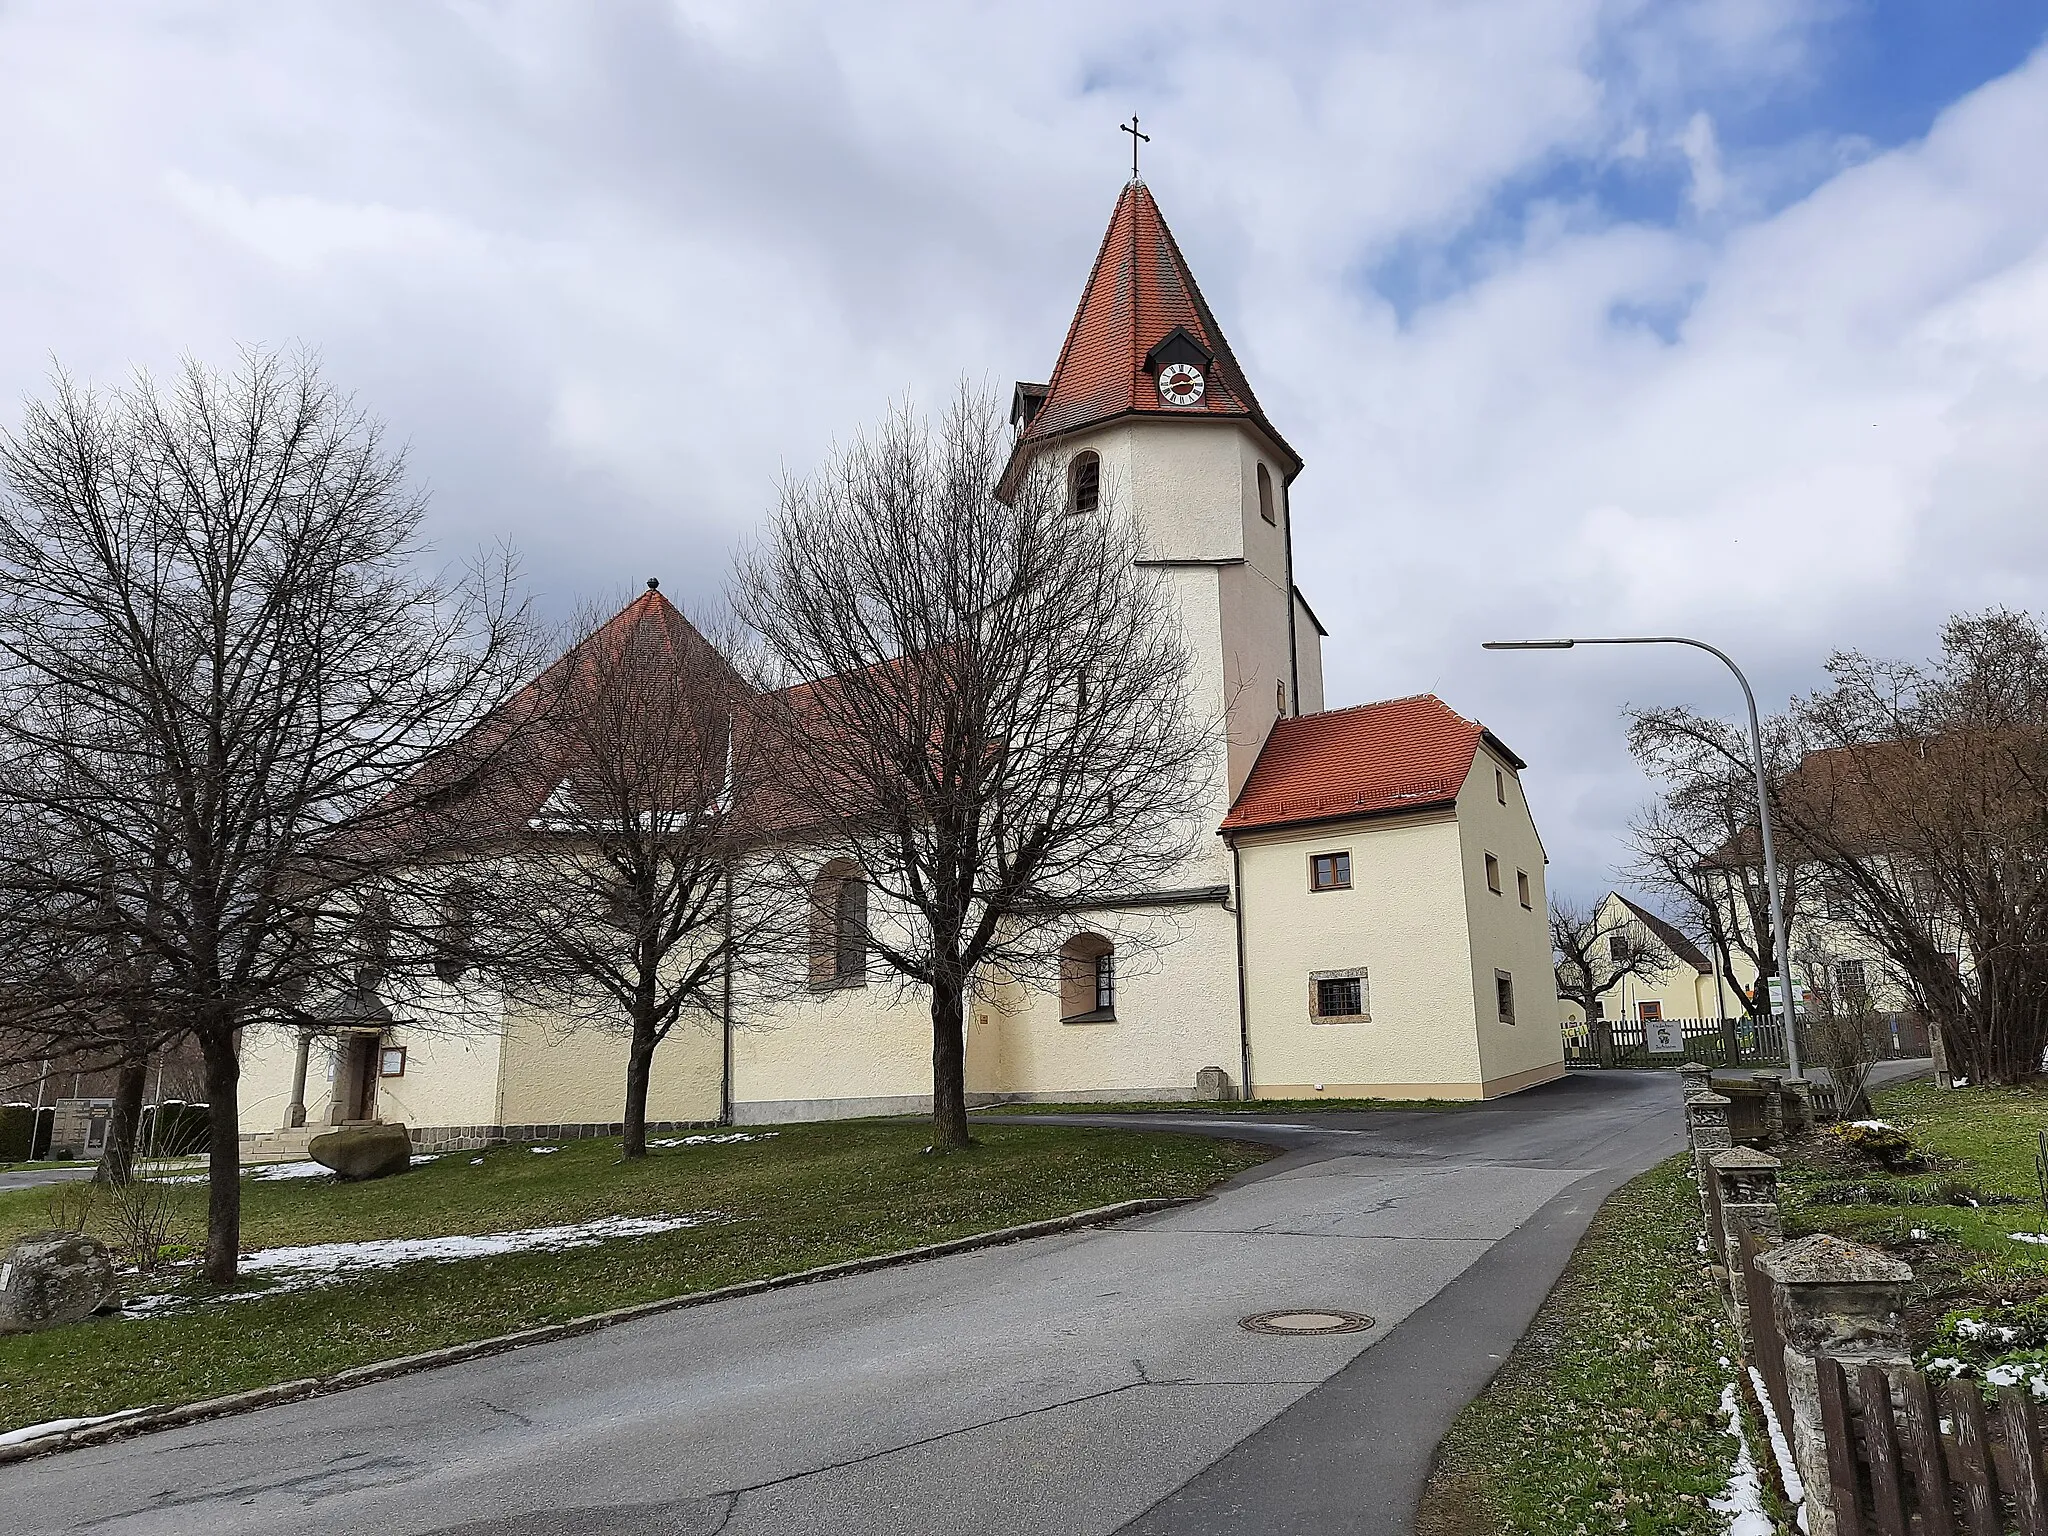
{"x": 1307, "y": 1320}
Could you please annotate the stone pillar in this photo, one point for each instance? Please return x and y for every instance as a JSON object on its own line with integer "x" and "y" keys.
{"x": 1706, "y": 1123}
{"x": 295, "y": 1116}
{"x": 1772, "y": 1084}
{"x": 1798, "y": 1106}
{"x": 1831, "y": 1298}
{"x": 1694, "y": 1078}
{"x": 1748, "y": 1185}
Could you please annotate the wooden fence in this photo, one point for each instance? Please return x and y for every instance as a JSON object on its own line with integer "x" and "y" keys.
{"x": 1738, "y": 1042}
{"x": 1905, "y": 1456}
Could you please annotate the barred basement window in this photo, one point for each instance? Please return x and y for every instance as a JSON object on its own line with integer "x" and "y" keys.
{"x": 1339, "y": 997}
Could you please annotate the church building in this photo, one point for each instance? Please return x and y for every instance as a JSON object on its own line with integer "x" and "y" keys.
{"x": 1368, "y": 918}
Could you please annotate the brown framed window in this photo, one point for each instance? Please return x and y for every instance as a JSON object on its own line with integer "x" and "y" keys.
{"x": 1329, "y": 872}
{"x": 1493, "y": 874}
{"x": 1522, "y": 888}
{"x": 391, "y": 1061}
{"x": 1649, "y": 1013}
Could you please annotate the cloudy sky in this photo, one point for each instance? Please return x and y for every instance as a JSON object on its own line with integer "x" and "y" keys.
{"x": 1722, "y": 317}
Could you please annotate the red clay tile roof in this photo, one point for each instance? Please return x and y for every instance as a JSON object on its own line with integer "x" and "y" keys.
{"x": 1139, "y": 291}
{"x": 1371, "y": 759}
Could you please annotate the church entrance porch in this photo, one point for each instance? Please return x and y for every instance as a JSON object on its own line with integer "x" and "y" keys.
{"x": 355, "y": 1079}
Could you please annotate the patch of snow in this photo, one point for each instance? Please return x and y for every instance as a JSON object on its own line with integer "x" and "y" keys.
{"x": 426, "y": 1157}
{"x": 1781, "y": 1448}
{"x": 1742, "y": 1501}
{"x": 2030, "y": 1237}
{"x": 536, "y": 1151}
{"x": 1959, "y": 1082}
{"x": 306, "y": 1170}
{"x": 1922, "y": 1235}
{"x": 62, "y": 1426}
{"x": 320, "y": 1263}
{"x": 701, "y": 1141}
{"x": 1976, "y": 1328}
{"x": 1873, "y": 1125}
{"x": 476, "y": 1162}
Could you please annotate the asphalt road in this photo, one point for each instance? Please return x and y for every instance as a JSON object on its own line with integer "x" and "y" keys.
{"x": 1089, "y": 1383}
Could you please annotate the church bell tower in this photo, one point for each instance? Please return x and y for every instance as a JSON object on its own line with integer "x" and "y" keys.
{"x": 1147, "y": 408}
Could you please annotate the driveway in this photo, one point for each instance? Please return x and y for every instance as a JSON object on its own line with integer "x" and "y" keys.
{"x": 1088, "y": 1383}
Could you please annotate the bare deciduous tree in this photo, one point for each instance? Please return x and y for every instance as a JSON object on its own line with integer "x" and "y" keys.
{"x": 1697, "y": 844}
{"x": 623, "y": 901}
{"x": 1843, "y": 1031}
{"x": 988, "y": 711}
{"x": 1924, "y": 795}
{"x": 219, "y": 657}
{"x": 1594, "y": 952}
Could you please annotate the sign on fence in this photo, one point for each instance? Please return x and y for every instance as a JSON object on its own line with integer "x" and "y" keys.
{"x": 1667, "y": 1037}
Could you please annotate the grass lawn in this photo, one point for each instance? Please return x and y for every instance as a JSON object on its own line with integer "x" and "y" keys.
{"x": 1222, "y": 1107}
{"x": 808, "y": 1195}
{"x": 1604, "y": 1418}
{"x": 1952, "y": 1221}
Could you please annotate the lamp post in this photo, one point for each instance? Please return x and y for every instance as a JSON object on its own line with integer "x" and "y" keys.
{"x": 1763, "y": 803}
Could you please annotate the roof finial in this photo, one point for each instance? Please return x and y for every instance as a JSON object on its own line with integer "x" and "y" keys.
{"x": 654, "y": 583}
{"x": 1132, "y": 129}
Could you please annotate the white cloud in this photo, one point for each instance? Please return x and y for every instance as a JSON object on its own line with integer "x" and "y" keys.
{"x": 611, "y": 270}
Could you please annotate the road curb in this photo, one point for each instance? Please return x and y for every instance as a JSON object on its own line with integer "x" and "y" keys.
{"x": 144, "y": 1420}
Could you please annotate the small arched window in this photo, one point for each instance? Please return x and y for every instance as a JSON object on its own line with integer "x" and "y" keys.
{"x": 1266, "y": 509}
{"x": 1087, "y": 980}
{"x": 1279, "y": 698}
{"x": 455, "y": 935}
{"x": 839, "y": 926}
{"x": 1084, "y": 482}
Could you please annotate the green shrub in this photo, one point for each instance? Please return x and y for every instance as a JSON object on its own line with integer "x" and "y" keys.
{"x": 175, "y": 1129}
{"x": 17, "y": 1132}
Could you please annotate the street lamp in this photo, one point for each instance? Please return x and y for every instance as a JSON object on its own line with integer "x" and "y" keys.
{"x": 1763, "y": 801}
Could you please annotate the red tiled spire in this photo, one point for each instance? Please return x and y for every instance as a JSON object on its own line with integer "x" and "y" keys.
{"x": 1139, "y": 292}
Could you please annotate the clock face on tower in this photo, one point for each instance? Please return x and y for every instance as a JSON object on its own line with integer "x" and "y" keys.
{"x": 1180, "y": 384}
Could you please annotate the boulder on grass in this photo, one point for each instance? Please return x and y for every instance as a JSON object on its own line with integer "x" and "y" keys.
{"x": 357, "y": 1152}
{"x": 51, "y": 1278}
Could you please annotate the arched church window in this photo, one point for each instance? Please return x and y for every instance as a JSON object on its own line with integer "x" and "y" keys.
{"x": 839, "y": 926}
{"x": 1084, "y": 482}
{"x": 1279, "y": 698}
{"x": 455, "y": 933}
{"x": 1087, "y": 980}
{"x": 1266, "y": 496}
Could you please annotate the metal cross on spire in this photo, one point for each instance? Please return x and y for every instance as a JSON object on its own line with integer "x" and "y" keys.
{"x": 1132, "y": 129}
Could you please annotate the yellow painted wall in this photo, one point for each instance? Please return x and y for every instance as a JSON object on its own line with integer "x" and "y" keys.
{"x": 1505, "y": 934}
{"x": 1403, "y": 919}
{"x": 1176, "y": 1013}
{"x": 552, "y": 1074}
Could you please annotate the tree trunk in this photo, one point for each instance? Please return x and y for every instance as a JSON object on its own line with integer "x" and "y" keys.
{"x": 949, "y": 1069}
{"x": 639, "y": 1066}
{"x": 117, "y": 1158}
{"x": 223, "y": 1158}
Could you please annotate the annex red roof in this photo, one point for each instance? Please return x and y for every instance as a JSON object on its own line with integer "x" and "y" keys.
{"x": 1371, "y": 759}
{"x": 1139, "y": 292}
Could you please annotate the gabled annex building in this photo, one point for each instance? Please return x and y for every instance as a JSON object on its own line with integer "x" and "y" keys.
{"x": 1368, "y": 919}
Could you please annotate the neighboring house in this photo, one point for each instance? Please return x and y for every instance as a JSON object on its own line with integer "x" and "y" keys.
{"x": 1369, "y": 918}
{"x": 1690, "y": 987}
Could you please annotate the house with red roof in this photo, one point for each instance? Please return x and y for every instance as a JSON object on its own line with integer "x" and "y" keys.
{"x": 1368, "y": 917}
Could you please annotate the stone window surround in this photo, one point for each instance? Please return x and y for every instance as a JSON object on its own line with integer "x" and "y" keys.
{"x": 1358, "y": 973}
